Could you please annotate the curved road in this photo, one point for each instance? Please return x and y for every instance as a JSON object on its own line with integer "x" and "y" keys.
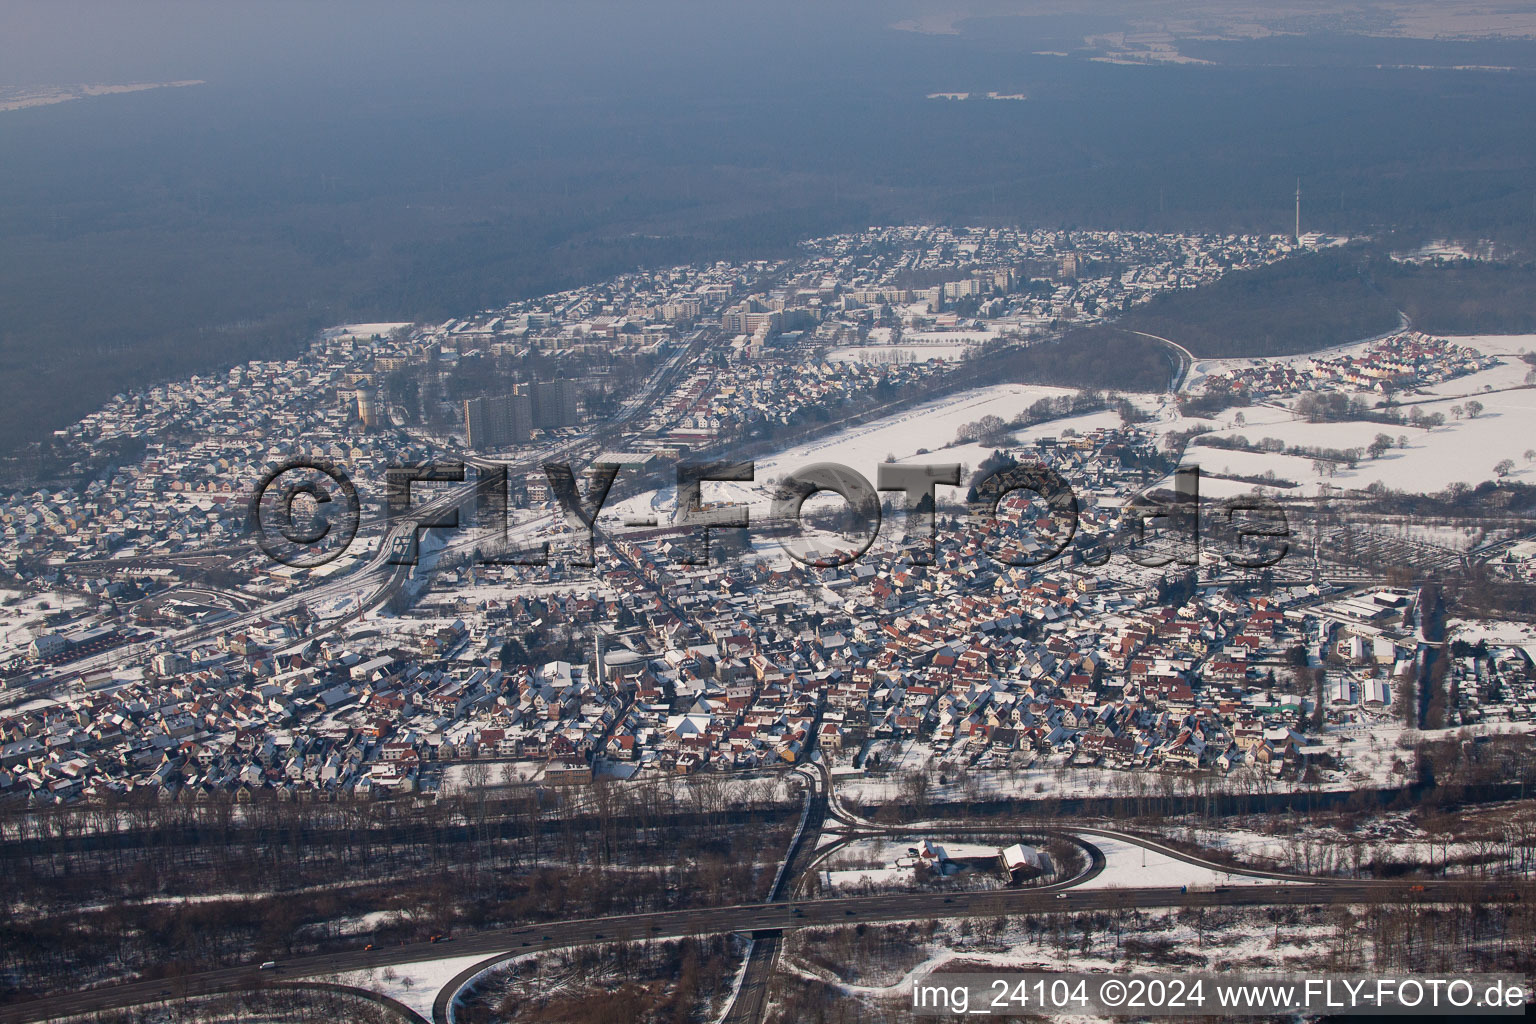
{"x": 750, "y": 999}
{"x": 1186, "y": 358}
{"x": 750, "y": 917}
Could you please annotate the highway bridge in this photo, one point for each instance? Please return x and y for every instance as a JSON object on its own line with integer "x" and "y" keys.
{"x": 751, "y": 917}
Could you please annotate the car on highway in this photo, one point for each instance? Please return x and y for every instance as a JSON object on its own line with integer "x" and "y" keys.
{"x": 270, "y": 965}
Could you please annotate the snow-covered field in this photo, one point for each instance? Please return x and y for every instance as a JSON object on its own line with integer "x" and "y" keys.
{"x": 974, "y": 454}
{"x": 864, "y": 851}
{"x": 871, "y": 791}
{"x": 967, "y": 336}
{"x": 859, "y": 878}
{"x": 459, "y": 778}
{"x": 914, "y": 346}
{"x": 1240, "y": 940}
{"x": 1372, "y": 756}
{"x": 1367, "y": 745}
{"x": 22, "y": 621}
{"x": 1348, "y": 843}
{"x": 363, "y": 331}
{"x": 1497, "y": 632}
{"x": 1130, "y": 866}
{"x": 904, "y": 353}
{"x": 928, "y": 428}
{"x": 931, "y": 426}
{"x": 1431, "y": 460}
{"x": 415, "y": 985}
{"x": 1465, "y": 449}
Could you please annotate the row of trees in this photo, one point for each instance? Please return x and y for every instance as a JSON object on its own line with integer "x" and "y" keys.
{"x": 994, "y": 430}
{"x": 282, "y": 878}
{"x": 616, "y": 983}
{"x": 1462, "y": 933}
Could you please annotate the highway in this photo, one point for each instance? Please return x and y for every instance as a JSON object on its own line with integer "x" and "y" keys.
{"x": 763, "y": 955}
{"x": 750, "y": 1000}
{"x": 1183, "y": 357}
{"x": 752, "y": 917}
{"x": 766, "y": 921}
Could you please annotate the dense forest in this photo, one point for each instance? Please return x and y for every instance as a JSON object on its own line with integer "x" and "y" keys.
{"x": 1308, "y": 302}
{"x": 159, "y": 233}
{"x": 1466, "y": 297}
{"x": 1088, "y": 357}
{"x": 1321, "y": 299}
{"x": 276, "y": 878}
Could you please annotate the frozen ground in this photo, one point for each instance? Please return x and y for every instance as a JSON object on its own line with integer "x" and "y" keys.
{"x": 1348, "y": 843}
{"x": 903, "y": 353}
{"x": 1465, "y": 449}
{"x": 858, "y": 878}
{"x": 363, "y": 331}
{"x": 1497, "y": 632}
{"x": 1239, "y": 940}
{"x": 415, "y": 985}
{"x": 929, "y": 427}
{"x": 456, "y": 777}
{"x": 22, "y": 621}
{"x": 1132, "y": 866}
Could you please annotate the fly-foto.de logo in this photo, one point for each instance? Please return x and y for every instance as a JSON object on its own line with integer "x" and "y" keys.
{"x": 306, "y": 513}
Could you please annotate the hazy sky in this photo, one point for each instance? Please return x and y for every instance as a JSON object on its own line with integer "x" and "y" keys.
{"x": 64, "y": 41}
